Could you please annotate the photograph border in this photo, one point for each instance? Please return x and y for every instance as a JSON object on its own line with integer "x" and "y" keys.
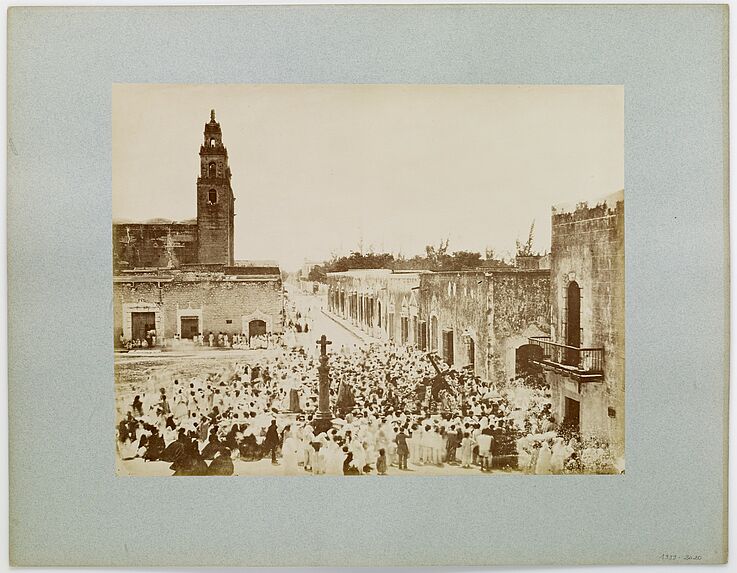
{"x": 67, "y": 507}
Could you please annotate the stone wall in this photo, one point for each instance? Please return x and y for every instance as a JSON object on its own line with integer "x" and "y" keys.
{"x": 588, "y": 247}
{"x": 520, "y": 309}
{"x": 139, "y": 245}
{"x": 483, "y": 316}
{"x": 460, "y": 303}
{"x": 215, "y": 222}
{"x": 215, "y": 300}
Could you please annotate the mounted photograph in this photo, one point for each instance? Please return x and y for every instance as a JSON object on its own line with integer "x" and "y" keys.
{"x": 368, "y": 280}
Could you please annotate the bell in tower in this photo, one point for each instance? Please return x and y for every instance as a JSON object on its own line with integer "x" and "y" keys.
{"x": 215, "y": 201}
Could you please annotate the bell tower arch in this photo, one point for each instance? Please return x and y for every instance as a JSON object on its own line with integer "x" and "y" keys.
{"x": 215, "y": 200}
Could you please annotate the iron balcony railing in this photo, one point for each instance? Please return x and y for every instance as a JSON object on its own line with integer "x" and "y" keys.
{"x": 584, "y": 360}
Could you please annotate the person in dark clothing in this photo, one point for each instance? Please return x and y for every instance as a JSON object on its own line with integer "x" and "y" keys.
{"x": 249, "y": 449}
{"x": 454, "y": 442}
{"x": 123, "y": 430}
{"x": 177, "y": 448}
{"x": 402, "y": 448}
{"x": 137, "y": 407}
{"x": 132, "y": 428}
{"x": 213, "y": 446}
{"x": 190, "y": 463}
{"x": 155, "y": 446}
{"x": 271, "y": 441}
{"x": 231, "y": 440}
{"x": 222, "y": 465}
{"x": 348, "y": 469}
{"x": 381, "y": 462}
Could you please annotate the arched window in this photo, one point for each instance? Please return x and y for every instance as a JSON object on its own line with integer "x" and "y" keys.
{"x": 212, "y": 170}
{"x": 573, "y": 318}
{"x": 212, "y": 196}
{"x": 573, "y": 323}
{"x": 212, "y": 142}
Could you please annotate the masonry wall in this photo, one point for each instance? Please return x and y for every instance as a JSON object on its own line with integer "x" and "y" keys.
{"x": 219, "y": 301}
{"x": 400, "y": 298}
{"x": 497, "y": 310}
{"x": 138, "y": 245}
{"x": 215, "y": 222}
{"x": 520, "y": 308}
{"x": 460, "y": 301}
{"x": 588, "y": 247}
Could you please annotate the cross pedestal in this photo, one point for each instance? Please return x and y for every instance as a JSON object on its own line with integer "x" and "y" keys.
{"x": 323, "y": 418}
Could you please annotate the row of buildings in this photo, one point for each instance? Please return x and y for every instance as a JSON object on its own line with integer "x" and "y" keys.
{"x": 563, "y": 314}
{"x": 180, "y": 280}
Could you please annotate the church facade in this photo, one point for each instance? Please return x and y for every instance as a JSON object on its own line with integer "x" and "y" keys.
{"x": 181, "y": 279}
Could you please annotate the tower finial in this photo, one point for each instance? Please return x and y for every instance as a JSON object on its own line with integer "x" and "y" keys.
{"x": 212, "y": 115}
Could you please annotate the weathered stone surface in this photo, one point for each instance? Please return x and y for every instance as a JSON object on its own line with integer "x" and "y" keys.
{"x": 587, "y": 248}
{"x": 141, "y": 245}
{"x": 214, "y": 298}
{"x": 482, "y": 315}
{"x": 197, "y": 275}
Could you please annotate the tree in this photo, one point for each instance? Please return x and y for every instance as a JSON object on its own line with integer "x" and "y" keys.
{"x": 436, "y": 258}
{"x": 461, "y": 260}
{"x": 525, "y": 249}
{"x": 358, "y": 260}
{"x": 317, "y": 274}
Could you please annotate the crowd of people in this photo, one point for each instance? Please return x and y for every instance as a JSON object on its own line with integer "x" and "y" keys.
{"x": 146, "y": 341}
{"x": 393, "y": 413}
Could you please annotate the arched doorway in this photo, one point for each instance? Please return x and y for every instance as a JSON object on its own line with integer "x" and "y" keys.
{"x": 433, "y": 333}
{"x": 256, "y": 328}
{"x": 527, "y": 359}
{"x": 573, "y": 322}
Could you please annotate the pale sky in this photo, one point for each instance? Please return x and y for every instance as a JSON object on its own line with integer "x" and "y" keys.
{"x": 319, "y": 168}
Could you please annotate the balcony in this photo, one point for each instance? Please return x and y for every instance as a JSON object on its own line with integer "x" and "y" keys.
{"x": 584, "y": 364}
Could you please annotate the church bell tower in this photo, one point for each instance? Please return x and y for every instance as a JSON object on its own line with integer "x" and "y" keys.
{"x": 215, "y": 201}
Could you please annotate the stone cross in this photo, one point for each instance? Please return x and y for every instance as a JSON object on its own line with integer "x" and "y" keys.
{"x": 324, "y": 415}
{"x": 323, "y": 342}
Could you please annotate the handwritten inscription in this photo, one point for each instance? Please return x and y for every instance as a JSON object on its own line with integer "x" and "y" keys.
{"x": 677, "y": 557}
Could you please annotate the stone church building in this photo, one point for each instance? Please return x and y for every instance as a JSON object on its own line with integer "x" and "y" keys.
{"x": 181, "y": 279}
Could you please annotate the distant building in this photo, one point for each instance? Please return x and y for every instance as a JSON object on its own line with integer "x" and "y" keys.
{"x": 532, "y": 262}
{"x": 180, "y": 279}
{"x": 380, "y": 302}
{"x": 307, "y": 267}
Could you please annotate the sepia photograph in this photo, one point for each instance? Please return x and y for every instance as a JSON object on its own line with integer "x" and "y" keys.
{"x": 368, "y": 280}
{"x": 270, "y": 248}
